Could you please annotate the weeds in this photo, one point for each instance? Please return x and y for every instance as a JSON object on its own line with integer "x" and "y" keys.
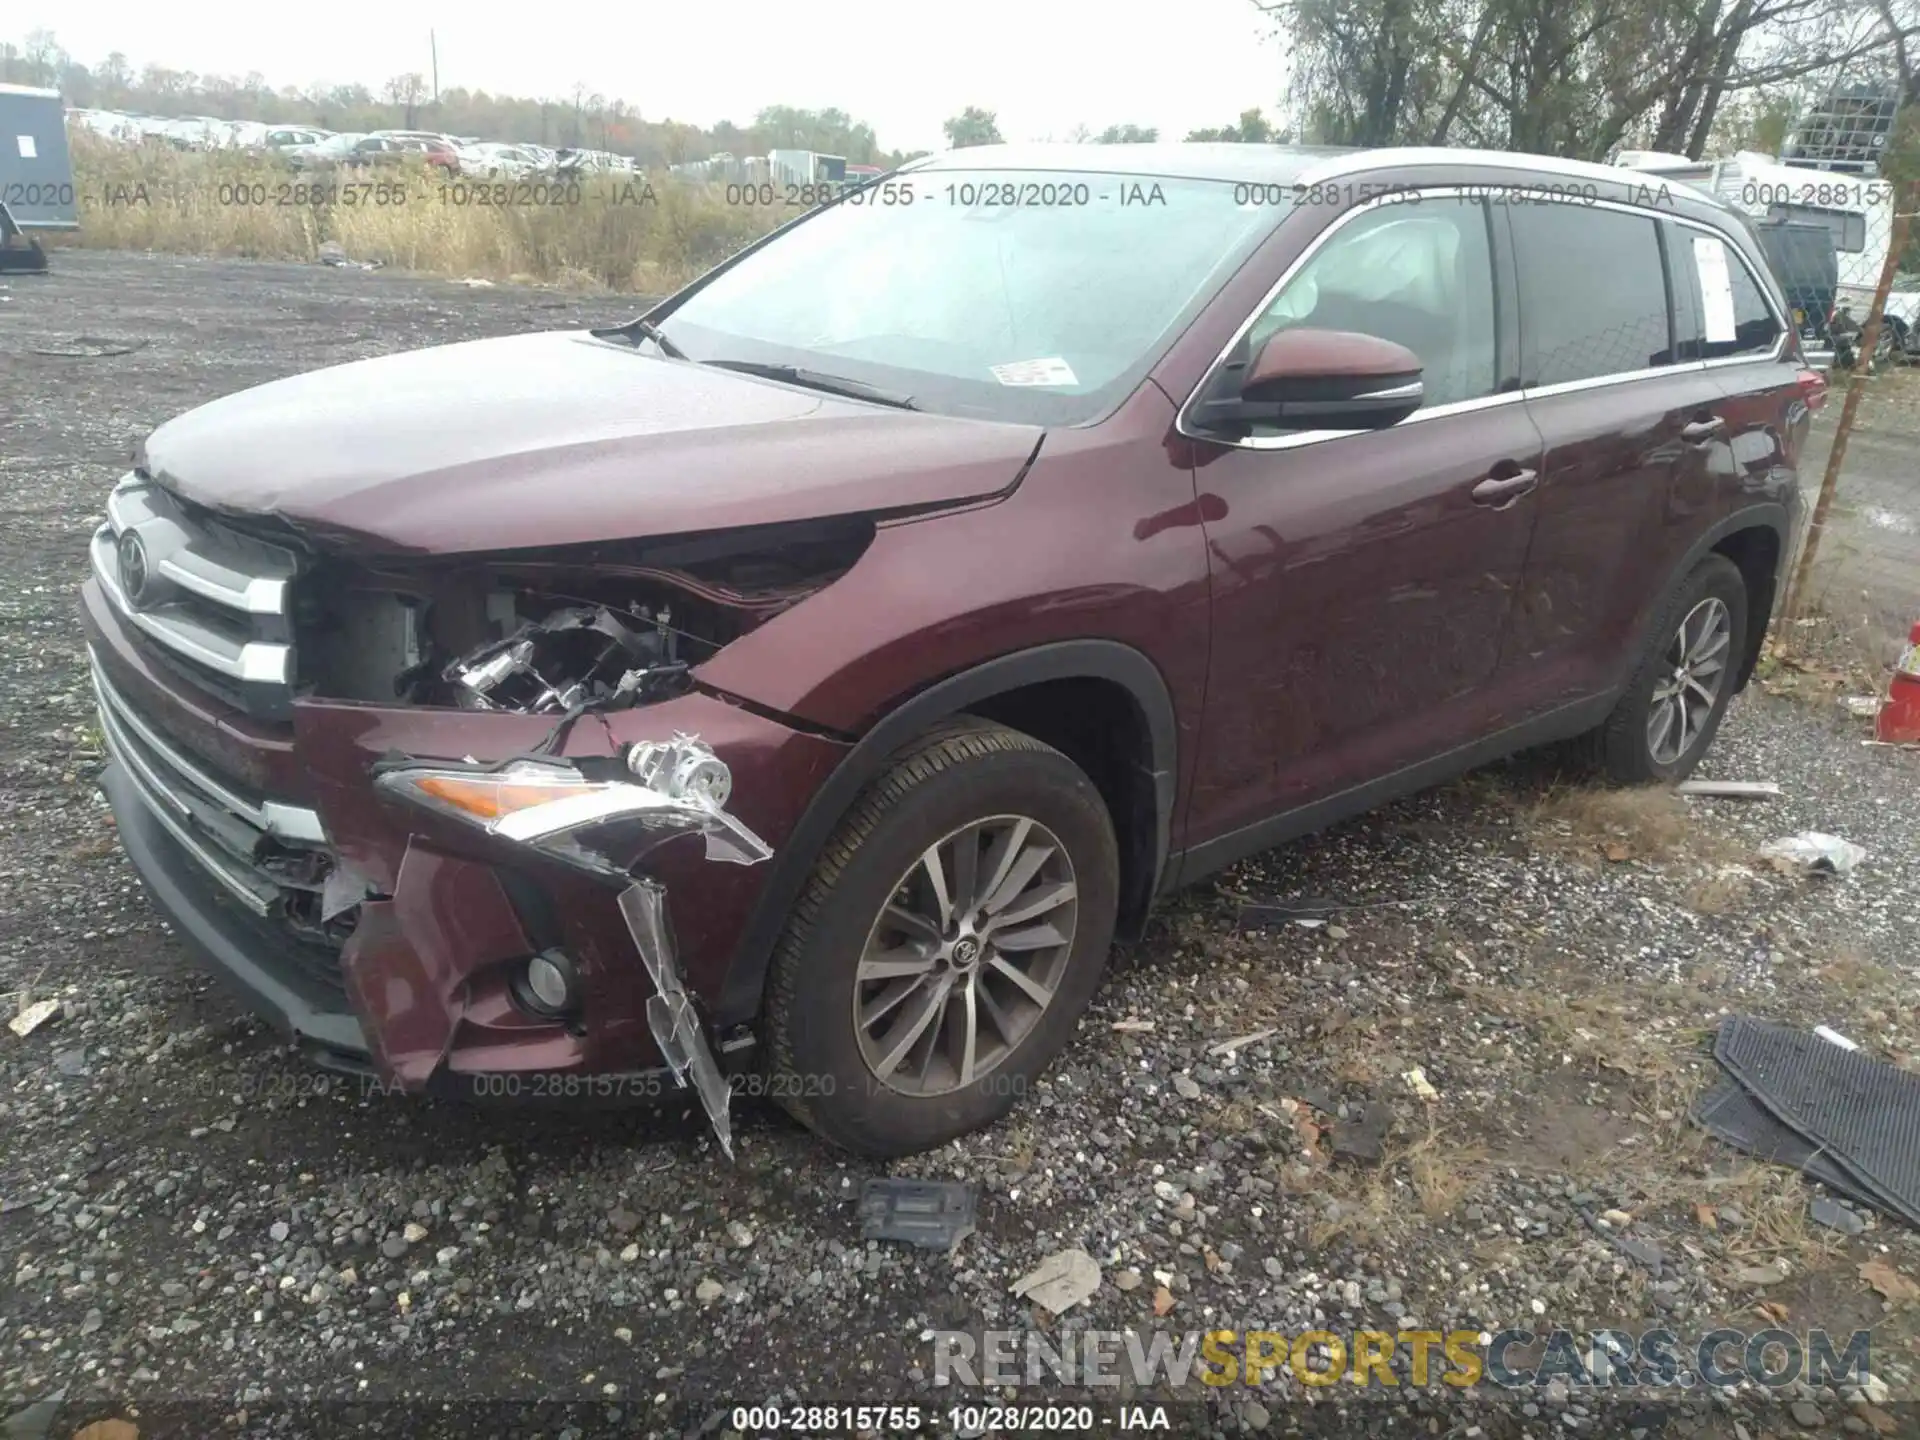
{"x": 640, "y": 234}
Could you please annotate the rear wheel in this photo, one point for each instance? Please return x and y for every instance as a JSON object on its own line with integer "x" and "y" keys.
{"x": 1672, "y": 707}
{"x": 946, "y": 943}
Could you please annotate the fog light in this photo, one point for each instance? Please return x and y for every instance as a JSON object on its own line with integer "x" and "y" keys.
{"x": 549, "y": 984}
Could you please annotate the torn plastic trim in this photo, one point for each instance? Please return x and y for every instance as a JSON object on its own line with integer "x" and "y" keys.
{"x": 671, "y": 1014}
{"x": 678, "y": 786}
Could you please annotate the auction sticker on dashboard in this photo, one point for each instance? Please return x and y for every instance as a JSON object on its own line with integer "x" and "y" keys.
{"x": 1050, "y": 371}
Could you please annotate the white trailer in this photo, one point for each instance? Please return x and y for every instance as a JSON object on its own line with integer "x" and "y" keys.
{"x": 1857, "y": 209}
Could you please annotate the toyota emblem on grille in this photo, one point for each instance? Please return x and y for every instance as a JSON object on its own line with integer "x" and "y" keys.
{"x": 133, "y": 568}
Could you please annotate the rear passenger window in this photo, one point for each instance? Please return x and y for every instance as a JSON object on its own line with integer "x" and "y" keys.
{"x": 1734, "y": 311}
{"x": 1593, "y": 293}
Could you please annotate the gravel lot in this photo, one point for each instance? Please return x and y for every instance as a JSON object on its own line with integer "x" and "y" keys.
{"x": 203, "y": 1236}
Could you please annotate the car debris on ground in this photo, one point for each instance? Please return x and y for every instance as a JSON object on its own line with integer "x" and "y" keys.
{"x": 1730, "y": 789}
{"x": 1061, "y": 1281}
{"x": 932, "y": 1214}
{"x": 1844, "y": 1118}
{"x": 1813, "y": 853}
{"x": 32, "y": 1017}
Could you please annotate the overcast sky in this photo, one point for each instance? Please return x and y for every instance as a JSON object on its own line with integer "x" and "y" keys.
{"x": 1044, "y": 65}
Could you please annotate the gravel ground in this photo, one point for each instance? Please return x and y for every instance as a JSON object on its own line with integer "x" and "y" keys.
{"x": 205, "y": 1237}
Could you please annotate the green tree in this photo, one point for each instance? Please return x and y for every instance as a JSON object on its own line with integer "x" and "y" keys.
{"x": 973, "y": 126}
{"x": 1126, "y": 135}
{"x": 1253, "y": 128}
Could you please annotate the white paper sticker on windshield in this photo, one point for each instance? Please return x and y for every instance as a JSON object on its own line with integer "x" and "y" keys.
{"x": 27, "y": 149}
{"x": 1716, "y": 288}
{"x": 1050, "y": 371}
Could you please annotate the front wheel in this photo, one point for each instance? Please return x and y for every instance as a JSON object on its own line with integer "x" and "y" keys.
{"x": 1672, "y": 707}
{"x": 946, "y": 943}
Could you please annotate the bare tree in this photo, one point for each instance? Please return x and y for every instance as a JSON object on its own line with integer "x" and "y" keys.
{"x": 407, "y": 91}
{"x": 1569, "y": 77}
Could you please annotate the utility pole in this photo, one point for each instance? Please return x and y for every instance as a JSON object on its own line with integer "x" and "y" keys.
{"x": 433, "y": 46}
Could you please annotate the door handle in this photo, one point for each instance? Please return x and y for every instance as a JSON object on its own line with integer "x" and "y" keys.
{"x": 1700, "y": 430}
{"x": 1500, "y": 491}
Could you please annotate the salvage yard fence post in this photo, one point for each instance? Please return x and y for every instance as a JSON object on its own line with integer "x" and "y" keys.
{"x": 1856, "y": 389}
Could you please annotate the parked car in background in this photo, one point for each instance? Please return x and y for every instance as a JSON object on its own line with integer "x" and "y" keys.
{"x": 1292, "y": 507}
{"x": 346, "y": 150}
{"x": 244, "y": 135}
{"x": 287, "y": 137}
{"x": 439, "y": 154}
{"x": 493, "y": 161}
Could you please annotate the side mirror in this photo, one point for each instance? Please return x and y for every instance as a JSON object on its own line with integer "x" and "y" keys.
{"x": 1308, "y": 379}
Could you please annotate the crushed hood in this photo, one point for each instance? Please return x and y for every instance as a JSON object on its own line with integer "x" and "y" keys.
{"x": 559, "y": 438}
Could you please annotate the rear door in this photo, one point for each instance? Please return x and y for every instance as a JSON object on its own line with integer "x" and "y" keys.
{"x": 1635, "y": 432}
{"x": 1746, "y": 343}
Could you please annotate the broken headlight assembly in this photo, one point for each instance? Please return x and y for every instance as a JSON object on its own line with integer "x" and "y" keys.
{"x": 603, "y": 814}
{"x": 563, "y": 632}
{"x": 569, "y": 660}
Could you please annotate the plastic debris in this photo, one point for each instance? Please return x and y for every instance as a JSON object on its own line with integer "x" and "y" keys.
{"x": 1061, "y": 1281}
{"x": 1730, "y": 789}
{"x": 1814, "y": 853}
{"x": 1227, "y": 1047}
{"x": 932, "y": 1214}
{"x": 1417, "y": 1082}
{"x": 1310, "y": 913}
{"x": 32, "y": 1017}
{"x": 1864, "y": 706}
{"x": 1834, "y": 1037}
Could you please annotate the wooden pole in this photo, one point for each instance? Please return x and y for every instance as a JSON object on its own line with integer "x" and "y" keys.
{"x": 1843, "y": 427}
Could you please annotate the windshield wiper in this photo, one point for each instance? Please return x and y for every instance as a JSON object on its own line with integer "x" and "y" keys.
{"x": 637, "y": 329}
{"x": 819, "y": 380}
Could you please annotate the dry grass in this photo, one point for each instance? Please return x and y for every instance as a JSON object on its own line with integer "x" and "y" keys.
{"x": 1435, "y": 1171}
{"x": 642, "y": 234}
{"x": 1774, "y": 1202}
{"x": 1614, "y": 825}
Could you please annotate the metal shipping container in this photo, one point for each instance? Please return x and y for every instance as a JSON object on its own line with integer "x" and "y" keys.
{"x": 36, "y": 172}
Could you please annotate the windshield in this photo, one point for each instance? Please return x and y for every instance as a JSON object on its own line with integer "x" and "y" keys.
{"x": 1041, "y": 296}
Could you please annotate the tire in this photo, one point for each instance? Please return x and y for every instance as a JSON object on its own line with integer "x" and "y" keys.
{"x": 825, "y": 1065}
{"x": 1624, "y": 742}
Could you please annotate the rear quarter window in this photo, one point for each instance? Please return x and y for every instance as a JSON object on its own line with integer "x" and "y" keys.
{"x": 1735, "y": 316}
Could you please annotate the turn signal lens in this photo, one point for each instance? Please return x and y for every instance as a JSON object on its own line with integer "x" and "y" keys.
{"x": 493, "y": 797}
{"x": 527, "y": 800}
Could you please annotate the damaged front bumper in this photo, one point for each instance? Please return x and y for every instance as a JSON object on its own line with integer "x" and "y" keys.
{"x": 446, "y": 911}
{"x": 603, "y": 816}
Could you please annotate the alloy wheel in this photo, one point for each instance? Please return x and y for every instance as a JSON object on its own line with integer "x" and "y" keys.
{"x": 966, "y": 956}
{"x": 1696, "y": 669}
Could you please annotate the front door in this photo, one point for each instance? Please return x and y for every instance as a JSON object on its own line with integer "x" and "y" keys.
{"x": 1362, "y": 581}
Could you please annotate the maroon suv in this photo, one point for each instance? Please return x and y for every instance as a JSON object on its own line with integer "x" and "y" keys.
{"x": 810, "y": 678}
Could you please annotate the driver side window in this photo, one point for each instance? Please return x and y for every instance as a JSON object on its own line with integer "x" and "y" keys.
{"x": 1419, "y": 273}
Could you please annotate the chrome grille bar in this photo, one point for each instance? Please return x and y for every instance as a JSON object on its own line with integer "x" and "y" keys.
{"x": 283, "y": 822}
{"x": 200, "y": 589}
{"x": 251, "y": 890}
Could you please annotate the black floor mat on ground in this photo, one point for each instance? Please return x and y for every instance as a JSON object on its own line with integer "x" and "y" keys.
{"x": 1729, "y": 1113}
{"x": 1865, "y": 1115}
